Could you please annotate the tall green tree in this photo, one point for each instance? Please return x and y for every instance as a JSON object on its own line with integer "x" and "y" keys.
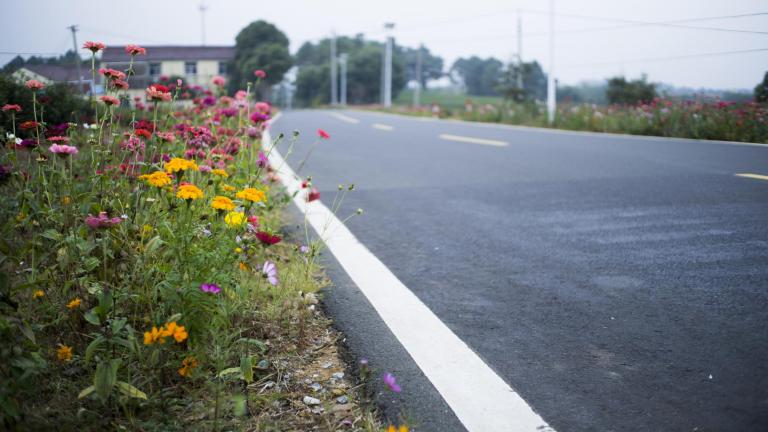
{"x": 481, "y": 76}
{"x": 761, "y": 90}
{"x": 532, "y": 78}
{"x": 260, "y": 45}
{"x": 431, "y": 65}
{"x": 623, "y": 92}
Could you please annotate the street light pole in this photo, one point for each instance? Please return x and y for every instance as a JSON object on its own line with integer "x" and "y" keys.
{"x": 334, "y": 78}
{"x": 388, "y": 66}
{"x": 73, "y": 28}
{"x": 417, "y": 89}
{"x": 551, "y": 75}
{"x": 343, "y": 63}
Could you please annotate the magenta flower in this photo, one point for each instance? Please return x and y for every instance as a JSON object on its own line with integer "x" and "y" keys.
{"x": 390, "y": 381}
{"x": 269, "y": 271}
{"x": 63, "y": 149}
{"x": 260, "y": 73}
{"x": 263, "y": 161}
{"x": 102, "y": 221}
{"x": 210, "y": 288}
{"x": 323, "y": 134}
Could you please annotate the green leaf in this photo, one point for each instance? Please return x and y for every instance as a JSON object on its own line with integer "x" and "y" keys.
{"x": 105, "y": 378}
{"x": 52, "y": 234}
{"x": 118, "y": 324}
{"x": 92, "y": 317}
{"x": 90, "y": 263}
{"x": 92, "y": 347}
{"x": 86, "y": 391}
{"x": 229, "y": 371}
{"x": 26, "y": 330}
{"x": 153, "y": 245}
{"x": 255, "y": 342}
{"x": 130, "y": 390}
{"x": 246, "y": 367}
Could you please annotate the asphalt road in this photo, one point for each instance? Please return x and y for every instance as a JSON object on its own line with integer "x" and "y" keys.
{"x": 617, "y": 283}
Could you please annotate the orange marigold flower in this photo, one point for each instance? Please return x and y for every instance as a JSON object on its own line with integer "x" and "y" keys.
{"x": 64, "y": 353}
{"x": 74, "y": 303}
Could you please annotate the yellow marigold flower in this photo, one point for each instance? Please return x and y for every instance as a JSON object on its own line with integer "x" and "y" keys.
{"x": 153, "y": 336}
{"x": 178, "y": 332}
{"x": 74, "y": 303}
{"x": 189, "y": 192}
{"x": 220, "y": 173}
{"x": 146, "y": 229}
{"x": 66, "y": 200}
{"x": 238, "y": 250}
{"x": 228, "y": 188}
{"x": 251, "y": 194}
{"x": 187, "y": 365}
{"x": 402, "y": 428}
{"x": 234, "y": 219}
{"x": 64, "y": 353}
{"x": 179, "y": 164}
{"x": 157, "y": 178}
{"x": 38, "y": 294}
{"x": 243, "y": 266}
{"x": 222, "y": 203}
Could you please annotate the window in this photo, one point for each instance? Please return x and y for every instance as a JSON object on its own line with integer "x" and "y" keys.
{"x": 190, "y": 68}
{"x": 154, "y": 69}
{"x": 222, "y": 68}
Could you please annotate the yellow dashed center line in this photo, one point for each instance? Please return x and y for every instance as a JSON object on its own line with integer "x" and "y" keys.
{"x": 382, "y": 126}
{"x": 473, "y": 140}
{"x": 752, "y": 176}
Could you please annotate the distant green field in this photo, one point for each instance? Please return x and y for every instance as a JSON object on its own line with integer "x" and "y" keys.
{"x": 444, "y": 98}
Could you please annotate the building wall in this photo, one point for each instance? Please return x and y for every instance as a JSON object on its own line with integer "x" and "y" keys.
{"x": 24, "y": 74}
{"x": 206, "y": 70}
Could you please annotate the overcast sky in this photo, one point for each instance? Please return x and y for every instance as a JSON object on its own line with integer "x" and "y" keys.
{"x": 450, "y": 29}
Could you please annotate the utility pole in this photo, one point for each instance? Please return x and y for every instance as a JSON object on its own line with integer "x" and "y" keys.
{"x": 343, "y": 62}
{"x": 551, "y": 75}
{"x": 334, "y": 78}
{"x": 202, "y": 8}
{"x": 417, "y": 89}
{"x": 73, "y": 28}
{"x": 519, "y": 50}
{"x": 388, "y": 66}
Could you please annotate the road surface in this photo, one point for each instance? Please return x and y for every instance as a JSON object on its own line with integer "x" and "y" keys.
{"x": 616, "y": 283}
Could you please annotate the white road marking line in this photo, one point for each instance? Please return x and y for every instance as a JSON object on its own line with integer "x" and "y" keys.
{"x": 344, "y": 118}
{"x": 481, "y": 400}
{"x": 473, "y": 140}
{"x": 566, "y": 131}
{"x": 752, "y": 176}
{"x": 382, "y": 126}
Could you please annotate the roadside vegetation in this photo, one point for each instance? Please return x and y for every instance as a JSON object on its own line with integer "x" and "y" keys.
{"x": 146, "y": 278}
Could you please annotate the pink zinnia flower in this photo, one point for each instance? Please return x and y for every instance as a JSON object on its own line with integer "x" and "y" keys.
{"x": 218, "y": 81}
{"x": 59, "y": 139}
{"x": 135, "y": 50}
{"x": 34, "y": 84}
{"x": 110, "y": 100}
{"x": 94, "y": 46}
{"x": 241, "y": 95}
{"x": 269, "y": 271}
{"x": 9, "y": 107}
{"x": 323, "y": 134}
{"x": 63, "y": 149}
{"x": 166, "y": 136}
{"x": 262, "y": 107}
{"x": 118, "y": 83}
{"x": 102, "y": 221}
{"x": 112, "y": 74}
{"x": 313, "y": 195}
{"x": 260, "y": 73}
{"x": 391, "y": 382}
{"x": 157, "y": 95}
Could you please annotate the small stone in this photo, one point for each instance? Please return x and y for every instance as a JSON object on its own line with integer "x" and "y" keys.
{"x": 311, "y": 298}
{"x": 337, "y": 392}
{"x": 342, "y": 400}
{"x": 309, "y": 400}
{"x": 316, "y": 387}
{"x": 338, "y": 375}
{"x": 327, "y": 365}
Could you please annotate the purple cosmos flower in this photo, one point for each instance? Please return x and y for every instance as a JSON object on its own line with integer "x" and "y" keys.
{"x": 263, "y": 161}
{"x": 102, "y": 221}
{"x": 269, "y": 271}
{"x": 27, "y": 143}
{"x": 390, "y": 381}
{"x": 210, "y": 288}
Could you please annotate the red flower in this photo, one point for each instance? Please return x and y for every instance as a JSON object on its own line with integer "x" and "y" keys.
{"x": 260, "y": 73}
{"x": 304, "y": 184}
{"x": 110, "y": 100}
{"x": 161, "y": 88}
{"x": 143, "y": 133}
{"x": 313, "y": 195}
{"x": 118, "y": 83}
{"x": 29, "y": 124}
{"x": 268, "y": 239}
{"x": 253, "y": 221}
{"x": 9, "y": 107}
{"x": 94, "y": 46}
{"x": 135, "y": 50}
{"x": 323, "y": 134}
{"x": 34, "y": 84}
{"x": 112, "y": 74}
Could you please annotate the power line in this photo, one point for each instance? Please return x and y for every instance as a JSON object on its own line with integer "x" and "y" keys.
{"x": 679, "y": 57}
{"x": 28, "y": 53}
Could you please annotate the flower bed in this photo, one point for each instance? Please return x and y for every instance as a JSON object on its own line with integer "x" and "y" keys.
{"x": 146, "y": 283}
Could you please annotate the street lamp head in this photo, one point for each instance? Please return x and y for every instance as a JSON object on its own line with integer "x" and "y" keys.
{"x": 389, "y": 25}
